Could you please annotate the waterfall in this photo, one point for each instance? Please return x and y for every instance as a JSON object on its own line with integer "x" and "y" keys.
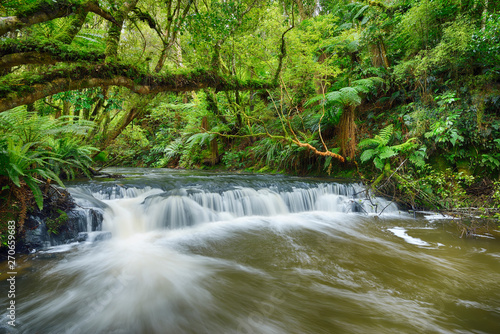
{"x": 197, "y": 252}
{"x": 129, "y": 210}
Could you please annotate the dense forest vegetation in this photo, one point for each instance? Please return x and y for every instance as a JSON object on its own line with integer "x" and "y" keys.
{"x": 402, "y": 94}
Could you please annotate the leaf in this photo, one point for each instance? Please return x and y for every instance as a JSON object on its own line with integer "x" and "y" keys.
{"x": 417, "y": 158}
{"x": 345, "y": 26}
{"x": 386, "y": 134}
{"x": 407, "y": 145}
{"x": 360, "y": 12}
{"x": 349, "y": 96}
{"x": 328, "y": 160}
{"x": 455, "y": 137}
{"x": 386, "y": 152}
{"x": 37, "y": 193}
{"x": 378, "y": 163}
{"x": 368, "y": 142}
{"x": 314, "y": 100}
{"x": 367, "y": 155}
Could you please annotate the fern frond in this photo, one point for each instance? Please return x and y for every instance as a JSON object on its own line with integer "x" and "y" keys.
{"x": 350, "y": 96}
{"x": 315, "y": 99}
{"x": 368, "y": 142}
{"x": 199, "y": 138}
{"x": 407, "y": 145}
{"x": 386, "y": 133}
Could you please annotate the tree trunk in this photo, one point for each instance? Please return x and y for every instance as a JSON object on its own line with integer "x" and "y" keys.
{"x": 485, "y": 15}
{"x": 214, "y": 148}
{"x": 302, "y": 10}
{"x": 115, "y": 30}
{"x": 132, "y": 114}
{"x": 379, "y": 54}
{"x": 348, "y": 132}
{"x": 214, "y": 152}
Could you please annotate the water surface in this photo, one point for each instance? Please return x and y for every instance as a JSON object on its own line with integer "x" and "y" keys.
{"x": 222, "y": 253}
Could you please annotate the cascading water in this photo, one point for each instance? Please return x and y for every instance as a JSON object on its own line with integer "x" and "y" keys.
{"x": 153, "y": 208}
{"x": 221, "y": 253}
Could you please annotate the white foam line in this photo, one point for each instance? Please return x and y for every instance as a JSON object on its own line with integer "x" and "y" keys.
{"x": 401, "y": 232}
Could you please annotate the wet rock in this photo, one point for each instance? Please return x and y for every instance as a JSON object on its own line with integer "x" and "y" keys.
{"x": 102, "y": 236}
{"x": 82, "y": 236}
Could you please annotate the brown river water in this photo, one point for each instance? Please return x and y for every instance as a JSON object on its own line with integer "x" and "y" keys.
{"x": 221, "y": 253}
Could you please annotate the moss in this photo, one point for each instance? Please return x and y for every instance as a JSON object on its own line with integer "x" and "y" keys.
{"x": 46, "y": 6}
{"x": 197, "y": 79}
{"x": 58, "y": 50}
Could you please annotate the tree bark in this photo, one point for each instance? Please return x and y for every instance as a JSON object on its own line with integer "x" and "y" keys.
{"x": 17, "y": 53}
{"x": 348, "y": 132}
{"x": 484, "y": 15}
{"x": 115, "y": 30}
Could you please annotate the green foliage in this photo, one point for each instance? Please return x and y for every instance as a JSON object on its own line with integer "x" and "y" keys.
{"x": 485, "y": 44}
{"x": 436, "y": 189}
{"x": 347, "y": 96}
{"x": 378, "y": 149}
{"x": 496, "y": 194}
{"x": 235, "y": 160}
{"x": 430, "y": 68}
{"x": 23, "y": 165}
{"x": 72, "y": 156}
{"x": 35, "y": 148}
{"x": 54, "y": 225}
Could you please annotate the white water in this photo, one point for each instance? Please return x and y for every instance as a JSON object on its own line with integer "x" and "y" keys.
{"x": 133, "y": 210}
{"x": 260, "y": 260}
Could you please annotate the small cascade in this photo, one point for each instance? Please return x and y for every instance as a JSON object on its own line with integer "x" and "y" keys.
{"x": 135, "y": 210}
{"x": 178, "y": 252}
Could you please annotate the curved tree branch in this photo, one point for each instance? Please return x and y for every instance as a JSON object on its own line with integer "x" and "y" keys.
{"x": 25, "y": 58}
{"x": 15, "y": 53}
{"x": 283, "y": 50}
{"x": 27, "y": 90}
{"x": 47, "y": 11}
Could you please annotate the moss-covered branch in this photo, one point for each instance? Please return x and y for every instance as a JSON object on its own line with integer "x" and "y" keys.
{"x": 15, "y": 53}
{"x": 44, "y": 11}
{"x": 30, "y": 88}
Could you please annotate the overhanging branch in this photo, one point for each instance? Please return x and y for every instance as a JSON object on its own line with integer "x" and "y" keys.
{"x": 15, "y": 53}
{"x": 29, "y": 89}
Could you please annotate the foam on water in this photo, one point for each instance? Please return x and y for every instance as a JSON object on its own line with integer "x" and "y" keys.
{"x": 401, "y": 232}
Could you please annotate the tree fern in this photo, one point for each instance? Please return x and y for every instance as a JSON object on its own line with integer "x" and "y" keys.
{"x": 347, "y": 96}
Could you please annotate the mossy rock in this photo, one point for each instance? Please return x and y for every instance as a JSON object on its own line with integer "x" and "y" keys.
{"x": 464, "y": 167}
{"x": 439, "y": 163}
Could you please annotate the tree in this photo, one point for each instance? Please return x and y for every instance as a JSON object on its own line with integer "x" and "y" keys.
{"x": 35, "y": 66}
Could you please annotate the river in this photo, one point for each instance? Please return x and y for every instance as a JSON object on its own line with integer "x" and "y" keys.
{"x": 199, "y": 252}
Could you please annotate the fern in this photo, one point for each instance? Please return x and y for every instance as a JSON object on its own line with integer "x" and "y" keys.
{"x": 200, "y": 139}
{"x": 347, "y": 96}
{"x": 379, "y": 151}
{"x": 35, "y": 148}
{"x": 174, "y": 149}
{"x": 386, "y": 133}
